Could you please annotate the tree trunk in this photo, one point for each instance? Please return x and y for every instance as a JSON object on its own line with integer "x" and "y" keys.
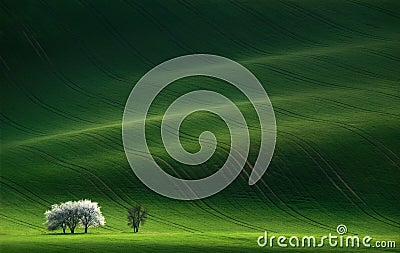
{"x": 72, "y": 230}
{"x": 63, "y": 230}
{"x": 86, "y": 229}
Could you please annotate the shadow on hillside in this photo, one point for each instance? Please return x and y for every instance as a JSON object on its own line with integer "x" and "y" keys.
{"x": 79, "y": 233}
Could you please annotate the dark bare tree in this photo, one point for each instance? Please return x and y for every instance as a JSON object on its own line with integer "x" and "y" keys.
{"x": 136, "y": 217}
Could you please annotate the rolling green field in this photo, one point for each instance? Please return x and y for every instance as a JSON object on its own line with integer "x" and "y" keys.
{"x": 330, "y": 68}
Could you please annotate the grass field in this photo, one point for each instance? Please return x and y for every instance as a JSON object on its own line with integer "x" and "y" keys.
{"x": 330, "y": 69}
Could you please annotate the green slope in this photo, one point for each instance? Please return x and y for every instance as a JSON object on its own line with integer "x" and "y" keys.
{"x": 330, "y": 69}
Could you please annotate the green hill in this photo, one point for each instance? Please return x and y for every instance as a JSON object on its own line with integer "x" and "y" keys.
{"x": 330, "y": 69}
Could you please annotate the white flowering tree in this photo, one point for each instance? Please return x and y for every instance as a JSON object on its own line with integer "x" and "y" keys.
{"x": 56, "y": 218}
{"x": 70, "y": 209}
{"x": 90, "y": 214}
{"x": 72, "y": 213}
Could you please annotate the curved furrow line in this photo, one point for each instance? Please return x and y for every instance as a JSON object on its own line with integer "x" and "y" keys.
{"x": 109, "y": 138}
{"x": 31, "y": 97}
{"x": 59, "y": 74}
{"x": 351, "y": 68}
{"x": 344, "y": 182}
{"x": 174, "y": 93}
{"x": 307, "y": 219}
{"x": 240, "y": 43}
{"x": 335, "y": 184}
{"x": 341, "y": 125}
{"x": 312, "y": 147}
{"x": 159, "y": 25}
{"x": 20, "y": 127}
{"x": 242, "y": 187}
{"x": 174, "y": 224}
{"x": 90, "y": 56}
{"x": 111, "y": 228}
{"x": 22, "y": 223}
{"x": 101, "y": 143}
{"x": 338, "y": 104}
{"x": 229, "y": 218}
{"x": 73, "y": 85}
{"x": 292, "y": 213}
{"x": 22, "y": 194}
{"x": 328, "y": 22}
{"x": 244, "y": 181}
{"x": 102, "y": 67}
{"x": 216, "y": 212}
{"x": 195, "y": 203}
{"x": 379, "y": 143}
{"x": 97, "y": 63}
{"x": 376, "y": 8}
{"x": 295, "y": 212}
{"x": 171, "y": 223}
{"x": 78, "y": 169}
{"x": 107, "y": 24}
{"x": 87, "y": 179}
{"x": 52, "y": 160}
{"x": 35, "y": 100}
{"x": 4, "y": 62}
{"x": 381, "y": 54}
{"x": 117, "y": 144}
{"x": 32, "y": 200}
{"x": 27, "y": 190}
{"x": 298, "y": 183}
{"x": 162, "y": 220}
{"x": 275, "y": 26}
{"x": 29, "y": 34}
{"x": 182, "y": 21}
{"x": 311, "y": 82}
{"x": 299, "y": 77}
{"x": 100, "y": 140}
{"x": 258, "y": 191}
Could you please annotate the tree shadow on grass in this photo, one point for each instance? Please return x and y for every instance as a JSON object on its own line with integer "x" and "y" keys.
{"x": 66, "y": 234}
